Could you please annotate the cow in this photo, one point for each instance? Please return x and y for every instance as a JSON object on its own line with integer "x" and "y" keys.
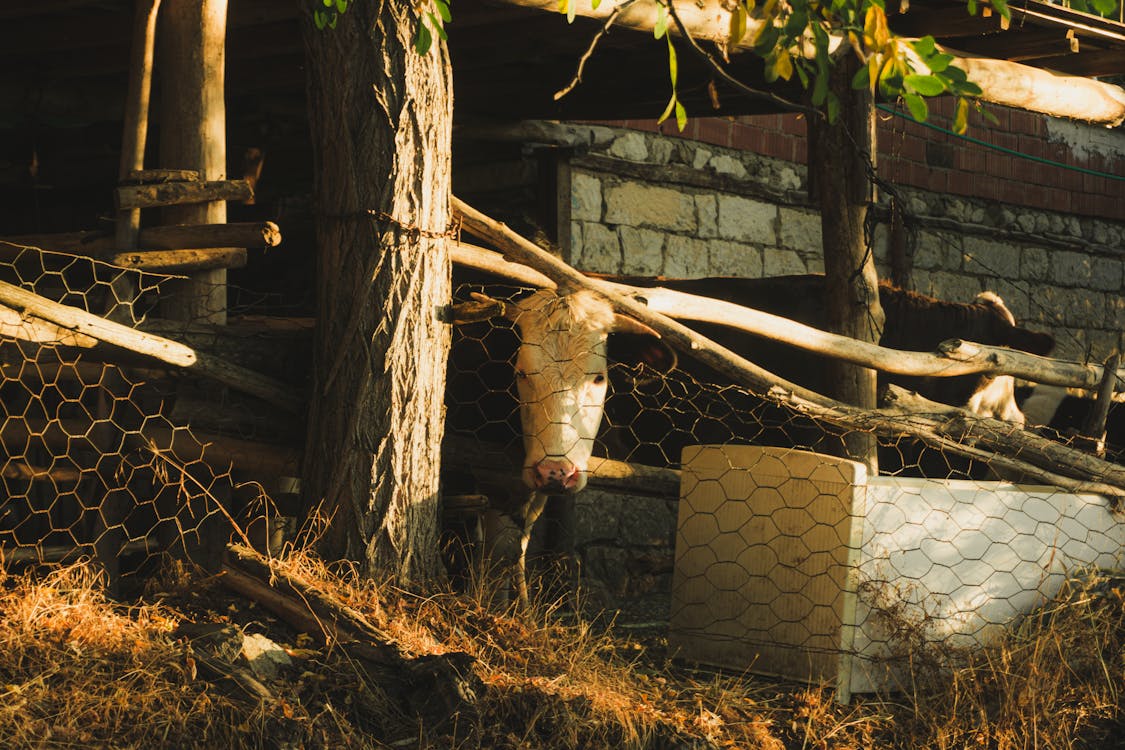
{"x": 1055, "y": 412}
{"x": 561, "y": 380}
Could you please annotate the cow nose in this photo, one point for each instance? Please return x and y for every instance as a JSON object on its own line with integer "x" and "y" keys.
{"x": 556, "y": 474}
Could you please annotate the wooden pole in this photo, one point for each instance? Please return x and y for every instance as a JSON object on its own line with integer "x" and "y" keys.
{"x": 193, "y": 134}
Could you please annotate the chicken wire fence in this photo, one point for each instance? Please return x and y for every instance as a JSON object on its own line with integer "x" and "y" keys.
{"x": 110, "y": 454}
{"x": 781, "y": 557}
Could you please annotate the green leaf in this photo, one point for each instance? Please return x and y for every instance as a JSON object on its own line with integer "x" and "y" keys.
{"x": 972, "y": 7}
{"x": 820, "y": 89}
{"x": 955, "y": 74}
{"x": 961, "y": 118}
{"x": 1001, "y": 7}
{"x": 988, "y": 116}
{"x": 342, "y": 6}
{"x": 595, "y": 3}
{"x": 767, "y": 40}
{"x": 660, "y": 28}
{"x": 968, "y": 88}
{"x": 681, "y": 116}
{"x": 862, "y": 78}
{"x": 443, "y": 10}
{"x": 924, "y": 46}
{"x": 424, "y": 39}
{"x": 673, "y": 65}
{"x": 668, "y": 110}
{"x": 917, "y": 106}
{"x": 938, "y": 63}
{"x": 328, "y": 3}
{"x": 833, "y": 107}
{"x": 923, "y": 84}
{"x": 320, "y": 20}
{"x": 1105, "y": 7}
{"x": 437, "y": 27}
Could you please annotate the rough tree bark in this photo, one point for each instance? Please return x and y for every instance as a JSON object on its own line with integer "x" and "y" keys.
{"x": 838, "y": 167}
{"x": 381, "y": 120}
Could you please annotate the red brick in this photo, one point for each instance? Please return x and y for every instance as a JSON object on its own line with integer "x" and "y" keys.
{"x": 742, "y": 136}
{"x": 801, "y": 150}
{"x": 961, "y": 183}
{"x": 715, "y": 130}
{"x": 973, "y": 160}
{"x": 793, "y": 124}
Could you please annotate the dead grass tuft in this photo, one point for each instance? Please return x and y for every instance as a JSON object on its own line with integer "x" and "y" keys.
{"x": 79, "y": 670}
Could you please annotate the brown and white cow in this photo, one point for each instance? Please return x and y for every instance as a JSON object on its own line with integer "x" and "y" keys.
{"x": 561, "y": 380}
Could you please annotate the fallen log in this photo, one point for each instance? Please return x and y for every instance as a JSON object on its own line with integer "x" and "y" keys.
{"x": 76, "y": 321}
{"x": 1050, "y": 461}
{"x": 436, "y": 688}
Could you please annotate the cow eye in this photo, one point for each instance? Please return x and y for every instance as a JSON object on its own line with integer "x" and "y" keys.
{"x": 521, "y": 374}
{"x": 599, "y": 378}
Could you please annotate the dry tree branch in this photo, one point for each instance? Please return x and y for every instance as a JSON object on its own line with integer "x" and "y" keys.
{"x": 590, "y": 50}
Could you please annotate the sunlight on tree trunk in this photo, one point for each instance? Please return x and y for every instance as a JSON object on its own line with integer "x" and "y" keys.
{"x": 837, "y": 164}
{"x": 380, "y": 117}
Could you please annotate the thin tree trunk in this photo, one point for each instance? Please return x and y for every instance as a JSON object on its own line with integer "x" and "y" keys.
{"x": 381, "y": 118}
{"x": 838, "y": 164}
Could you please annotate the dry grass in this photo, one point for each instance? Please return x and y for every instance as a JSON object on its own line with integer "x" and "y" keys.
{"x": 77, "y": 670}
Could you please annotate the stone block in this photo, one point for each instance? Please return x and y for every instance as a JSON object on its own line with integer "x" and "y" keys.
{"x": 641, "y": 251}
{"x": 706, "y": 215}
{"x": 700, "y": 158}
{"x": 937, "y": 251}
{"x": 585, "y": 197}
{"x": 1035, "y": 264}
{"x": 954, "y": 287}
{"x": 685, "y": 257}
{"x": 601, "y": 249}
{"x": 781, "y": 262}
{"x": 746, "y": 220}
{"x": 641, "y": 205}
{"x": 631, "y": 146}
{"x": 734, "y": 259}
{"x": 991, "y": 258}
{"x": 727, "y": 165}
{"x": 1070, "y": 268}
{"x": 799, "y": 229}
{"x": 1106, "y": 274}
{"x": 1014, "y": 294}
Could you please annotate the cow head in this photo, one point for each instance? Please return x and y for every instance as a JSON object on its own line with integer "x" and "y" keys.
{"x": 561, "y": 380}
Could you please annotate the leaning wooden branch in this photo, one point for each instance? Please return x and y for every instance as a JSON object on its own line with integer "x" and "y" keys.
{"x": 954, "y": 357}
{"x": 27, "y": 304}
{"x": 1043, "y": 462}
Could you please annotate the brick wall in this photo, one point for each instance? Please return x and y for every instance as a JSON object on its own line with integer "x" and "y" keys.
{"x": 912, "y": 154}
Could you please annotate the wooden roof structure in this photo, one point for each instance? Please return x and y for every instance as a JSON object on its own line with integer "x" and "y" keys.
{"x": 66, "y": 60}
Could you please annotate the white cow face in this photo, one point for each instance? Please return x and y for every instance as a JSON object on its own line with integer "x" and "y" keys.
{"x": 562, "y": 383}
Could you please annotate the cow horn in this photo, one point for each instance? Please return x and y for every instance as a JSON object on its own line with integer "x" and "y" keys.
{"x": 625, "y": 324}
{"x": 482, "y": 307}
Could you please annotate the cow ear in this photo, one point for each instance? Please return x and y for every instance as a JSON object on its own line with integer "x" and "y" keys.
{"x": 481, "y": 308}
{"x": 625, "y": 324}
{"x": 634, "y": 349}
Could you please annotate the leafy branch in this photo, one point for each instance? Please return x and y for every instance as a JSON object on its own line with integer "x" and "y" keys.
{"x": 432, "y": 17}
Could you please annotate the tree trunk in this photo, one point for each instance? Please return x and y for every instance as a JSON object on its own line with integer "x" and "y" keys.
{"x": 381, "y": 118}
{"x": 839, "y": 156}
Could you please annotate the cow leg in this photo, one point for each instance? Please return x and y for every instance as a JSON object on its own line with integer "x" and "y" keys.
{"x": 531, "y": 512}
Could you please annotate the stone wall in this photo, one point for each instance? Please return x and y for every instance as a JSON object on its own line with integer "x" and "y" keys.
{"x": 643, "y": 203}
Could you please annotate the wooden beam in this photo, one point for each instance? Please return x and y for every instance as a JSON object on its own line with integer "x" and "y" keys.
{"x": 182, "y": 193}
{"x": 181, "y": 261}
{"x": 97, "y": 244}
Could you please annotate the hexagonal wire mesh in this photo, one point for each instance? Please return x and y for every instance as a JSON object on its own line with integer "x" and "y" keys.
{"x": 98, "y": 458}
{"x": 794, "y": 562}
